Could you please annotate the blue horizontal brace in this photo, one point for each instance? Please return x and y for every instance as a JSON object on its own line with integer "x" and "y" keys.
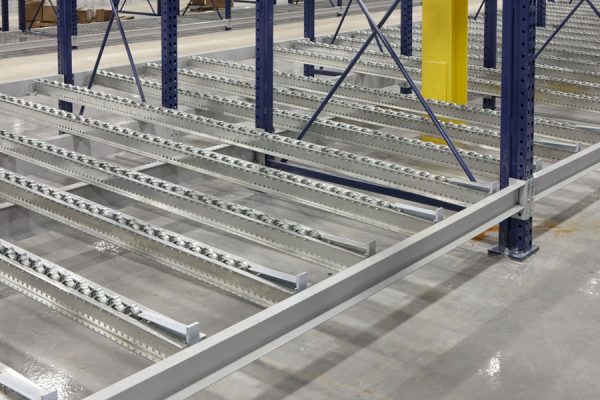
{"x": 362, "y": 185}
{"x": 417, "y": 92}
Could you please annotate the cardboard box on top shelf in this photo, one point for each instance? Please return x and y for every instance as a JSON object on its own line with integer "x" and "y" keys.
{"x": 103, "y": 15}
{"x": 48, "y": 14}
{"x": 85, "y": 15}
{"x": 30, "y": 8}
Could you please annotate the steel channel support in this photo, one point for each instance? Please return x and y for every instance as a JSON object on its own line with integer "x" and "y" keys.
{"x": 168, "y": 26}
{"x": 309, "y": 31}
{"x": 4, "y": 12}
{"x": 64, "y": 30}
{"x": 264, "y": 65}
{"x": 227, "y": 14}
{"x": 490, "y": 44}
{"x": 516, "y": 127}
{"x": 24, "y": 387}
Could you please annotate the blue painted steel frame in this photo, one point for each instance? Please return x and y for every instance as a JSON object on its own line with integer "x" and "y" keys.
{"x": 309, "y": 31}
{"x": 64, "y": 30}
{"x": 406, "y": 32}
{"x": 490, "y": 44}
{"x": 168, "y": 25}
{"x": 264, "y": 65}
{"x": 4, "y": 11}
{"x": 21, "y": 10}
{"x": 516, "y": 127}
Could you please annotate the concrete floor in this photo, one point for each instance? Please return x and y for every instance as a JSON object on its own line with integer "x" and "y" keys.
{"x": 467, "y": 326}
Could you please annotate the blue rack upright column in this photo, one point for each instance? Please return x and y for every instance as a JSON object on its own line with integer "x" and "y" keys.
{"x": 168, "y": 23}
{"x": 64, "y": 30}
{"x": 264, "y": 65}
{"x": 541, "y": 13}
{"x": 406, "y": 32}
{"x": 490, "y": 43}
{"x": 22, "y": 22}
{"x": 309, "y": 31}
{"x": 516, "y": 130}
{"x": 4, "y": 11}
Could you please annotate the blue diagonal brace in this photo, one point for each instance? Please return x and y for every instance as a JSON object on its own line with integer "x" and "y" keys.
{"x": 115, "y": 17}
{"x": 386, "y": 43}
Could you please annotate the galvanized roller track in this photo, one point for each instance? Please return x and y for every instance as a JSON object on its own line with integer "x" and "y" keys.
{"x": 89, "y": 304}
{"x": 397, "y": 145}
{"x": 317, "y": 194}
{"x": 581, "y": 51}
{"x": 362, "y": 112}
{"x": 546, "y": 72}
{"x": 386, "y": 70}
{"x": 543, "y": 126}
{"x": 191, "y": 257}
{"x": 383, "y": 172}
{"x": 547, "y": 58}
{"x": 284, "y": 235}
{"x": 555, "y": 82}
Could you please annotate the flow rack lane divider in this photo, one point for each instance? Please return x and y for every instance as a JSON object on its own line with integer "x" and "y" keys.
{"x": 412, "y": 148}
{"x": 482, "y": 86}
{"x": 383, "y": 172}
{"x": 543, "y": 126}
{"x": 22, "y": 386}
{"x": 547, "y": 74}
{"x": 367, "y": 113}
{"x": 207, "y": 264}
{"x": 475, "y": 71}
{"x": 134, "y": 326}
{"x": 339, "y": 200}
{"x": 285, "y": 235}
{"x": 476, "y": 53}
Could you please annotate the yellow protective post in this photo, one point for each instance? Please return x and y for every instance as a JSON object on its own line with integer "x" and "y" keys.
{"x": 444, "y": 51}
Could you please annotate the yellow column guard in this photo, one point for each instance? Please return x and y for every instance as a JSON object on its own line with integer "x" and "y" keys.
{"x": 444, "y": 53}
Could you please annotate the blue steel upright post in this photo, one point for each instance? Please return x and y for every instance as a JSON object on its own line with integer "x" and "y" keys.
{"x": 264, "y": 65}
{"x": 490, "y": 43}
{"x": 4, "y": 11}
{"x": 228, "y": 14}
{"x": 309, "y": 31}
{"x": 541, "y": 13}
{"x": 516, "y": 127}
{"x": 22, "y": 17}
{"x": 406, "y": 32}
{"x": 64, "y": 30}
{"x": 168, "y": 24}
